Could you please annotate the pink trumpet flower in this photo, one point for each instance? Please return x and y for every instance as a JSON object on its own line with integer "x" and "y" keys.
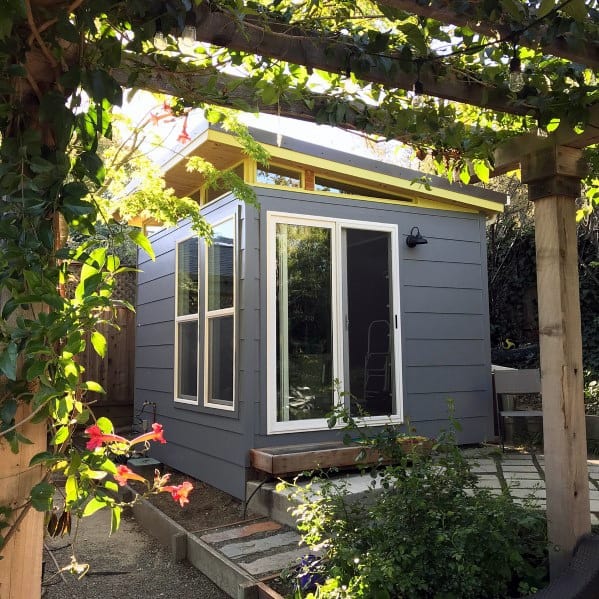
{"x": 123, "y": 474}
{"x": 179, "y": 492}
{"x": 155, "y": 435}
{"x": 97, "y": 438}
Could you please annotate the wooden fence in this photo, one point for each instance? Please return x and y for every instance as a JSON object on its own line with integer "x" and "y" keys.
{"x": 115, "y": 371}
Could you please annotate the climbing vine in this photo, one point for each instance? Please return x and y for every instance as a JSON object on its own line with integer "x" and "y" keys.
{"x": 64, "y": 65}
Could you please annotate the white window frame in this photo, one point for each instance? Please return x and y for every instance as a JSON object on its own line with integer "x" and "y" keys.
{"x": 336, "y": 225}
{"x": 213, "y": 314}
{"x": 185, "y": 318}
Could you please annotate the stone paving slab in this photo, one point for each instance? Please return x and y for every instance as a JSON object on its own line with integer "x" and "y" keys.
{"x": 236, "y": 550}
{"x": 259, "y": 548}
{"x": 272, "y": 563}
{"x": 240, "y": 532}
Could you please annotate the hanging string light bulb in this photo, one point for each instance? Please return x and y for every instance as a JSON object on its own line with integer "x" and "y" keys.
{"x": 418, "y": 90}
{"x": 188, "y": 36}
{"x": 515, "y": 79}
{"x": 160, "y": 42}
{"x": 189, "y": 33}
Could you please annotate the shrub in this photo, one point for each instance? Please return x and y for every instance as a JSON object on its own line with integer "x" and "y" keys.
{"x": 424, "y": 530}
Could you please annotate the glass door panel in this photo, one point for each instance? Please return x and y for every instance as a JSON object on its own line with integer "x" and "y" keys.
{"x": 368, "y": 356}
{"x": 304, "y": 325}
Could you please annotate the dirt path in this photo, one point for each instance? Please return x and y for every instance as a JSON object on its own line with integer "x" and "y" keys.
{"x": 128, "y": 565}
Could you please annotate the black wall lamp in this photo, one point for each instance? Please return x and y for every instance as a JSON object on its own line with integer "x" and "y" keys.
{"x": 415, "y": 238}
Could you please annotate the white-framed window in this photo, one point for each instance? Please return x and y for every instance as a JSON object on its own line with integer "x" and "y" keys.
{"x": 276, "y": 174}
{"x": 333, "y": 333}
{"x": 186, "y": 320}
{"x": 219, "y": 321}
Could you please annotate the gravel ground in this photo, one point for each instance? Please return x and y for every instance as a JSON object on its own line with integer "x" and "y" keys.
{"x": 128, "y": 565}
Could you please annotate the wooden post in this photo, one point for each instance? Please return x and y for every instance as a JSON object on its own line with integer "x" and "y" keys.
{"x": 553, "y": 178}
{"x": 21, "y": 566}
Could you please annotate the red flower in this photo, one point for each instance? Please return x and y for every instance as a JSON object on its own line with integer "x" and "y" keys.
{"x": 155, "y": 435}
{"x": 179, "y": 492}
{"x": 123, "y": 474}
{"x": 183, "y": 136}
{"x": 97, "y": 438}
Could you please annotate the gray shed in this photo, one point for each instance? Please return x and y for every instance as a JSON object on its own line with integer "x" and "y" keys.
{"x": 311, "y": 300}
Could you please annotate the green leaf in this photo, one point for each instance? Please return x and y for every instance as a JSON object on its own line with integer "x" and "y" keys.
{"x": 481, "y": 170}
{"x": 115, "y": 521}
{"x": 93, "y": 166}
{"x": 104, "y": 87}
{"x": 109, "y": 466}
{"x": 93, "y": 505}
{"x": 93, "y": 386}
{"x": 36, "y": 369}
{"x": 545, "y": 7}
{"x": 8, "y": 409}
{"x": 62, "y": 434}
{"x": 71, "y": 489}
{"x": 577, "y": 9}
{"x": 143, "y": 242}
{"x": 43, "y": 457}
{"x": 41, "y": 496}
{"x": 553, "y": 125}
{"x": 40, "y": 165}
{"x": 83, "y": 417}
{"x": 111, "y": 486}
{"x": 105, "y": 425}
{"x": 513, "y": 8}
{"x": 465, "y": 175}
{"x": 99, "y": 342}
{"x": 8, "y": 361}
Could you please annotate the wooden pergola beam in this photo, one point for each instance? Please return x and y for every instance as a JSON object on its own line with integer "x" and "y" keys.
{"x": 210, "y": 86}
{"x": 336, "y": 55}
{"x": 586, "y": 53}
{"x": 510, "y": 153}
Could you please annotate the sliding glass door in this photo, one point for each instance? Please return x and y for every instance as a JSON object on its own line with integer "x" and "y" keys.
{"x": 333, "y": 336}
{"x": 304, "y": 324}
{"x": 369, "y": 321}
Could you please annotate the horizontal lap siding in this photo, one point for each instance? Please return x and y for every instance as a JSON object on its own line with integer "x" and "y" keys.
{"x": 209, "y": 444}
{"x": 444, "y": 314}
{"x": 446, "y": 347}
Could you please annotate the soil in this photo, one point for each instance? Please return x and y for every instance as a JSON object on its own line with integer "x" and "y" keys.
{"x": 207, "y": 508}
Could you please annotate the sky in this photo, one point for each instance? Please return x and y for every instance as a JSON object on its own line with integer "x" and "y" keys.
{"x": 142, "y": 104}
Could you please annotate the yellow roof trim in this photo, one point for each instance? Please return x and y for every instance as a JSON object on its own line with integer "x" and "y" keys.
{"x": 423, "y": 203}
{"x": 417, "y": 194}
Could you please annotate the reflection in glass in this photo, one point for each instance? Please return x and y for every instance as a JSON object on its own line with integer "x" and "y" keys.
{"x": 221, "y": 267}
{"x": 278, "y": 175}
{"x": 187, "y": 371}
{"x": 304, "y": 322}
{"x": 220, "y": 365}
{"x": 369, "y": 363}
{"x": 187, "y": 277}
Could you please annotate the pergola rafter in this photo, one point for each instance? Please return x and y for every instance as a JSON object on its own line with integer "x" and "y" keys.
{"x": 338, "y": 55}
{"x": 586, "y": 53}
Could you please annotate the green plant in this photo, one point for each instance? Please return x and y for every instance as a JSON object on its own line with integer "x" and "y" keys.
{"x": 591, "y": 394}
{"x": 424, "y": 530}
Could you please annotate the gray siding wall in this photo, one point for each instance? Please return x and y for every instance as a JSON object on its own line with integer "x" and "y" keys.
{"x": 444, "y": 314}
{"x": 207, "y": 443}
{"x": 444, "y": 328}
